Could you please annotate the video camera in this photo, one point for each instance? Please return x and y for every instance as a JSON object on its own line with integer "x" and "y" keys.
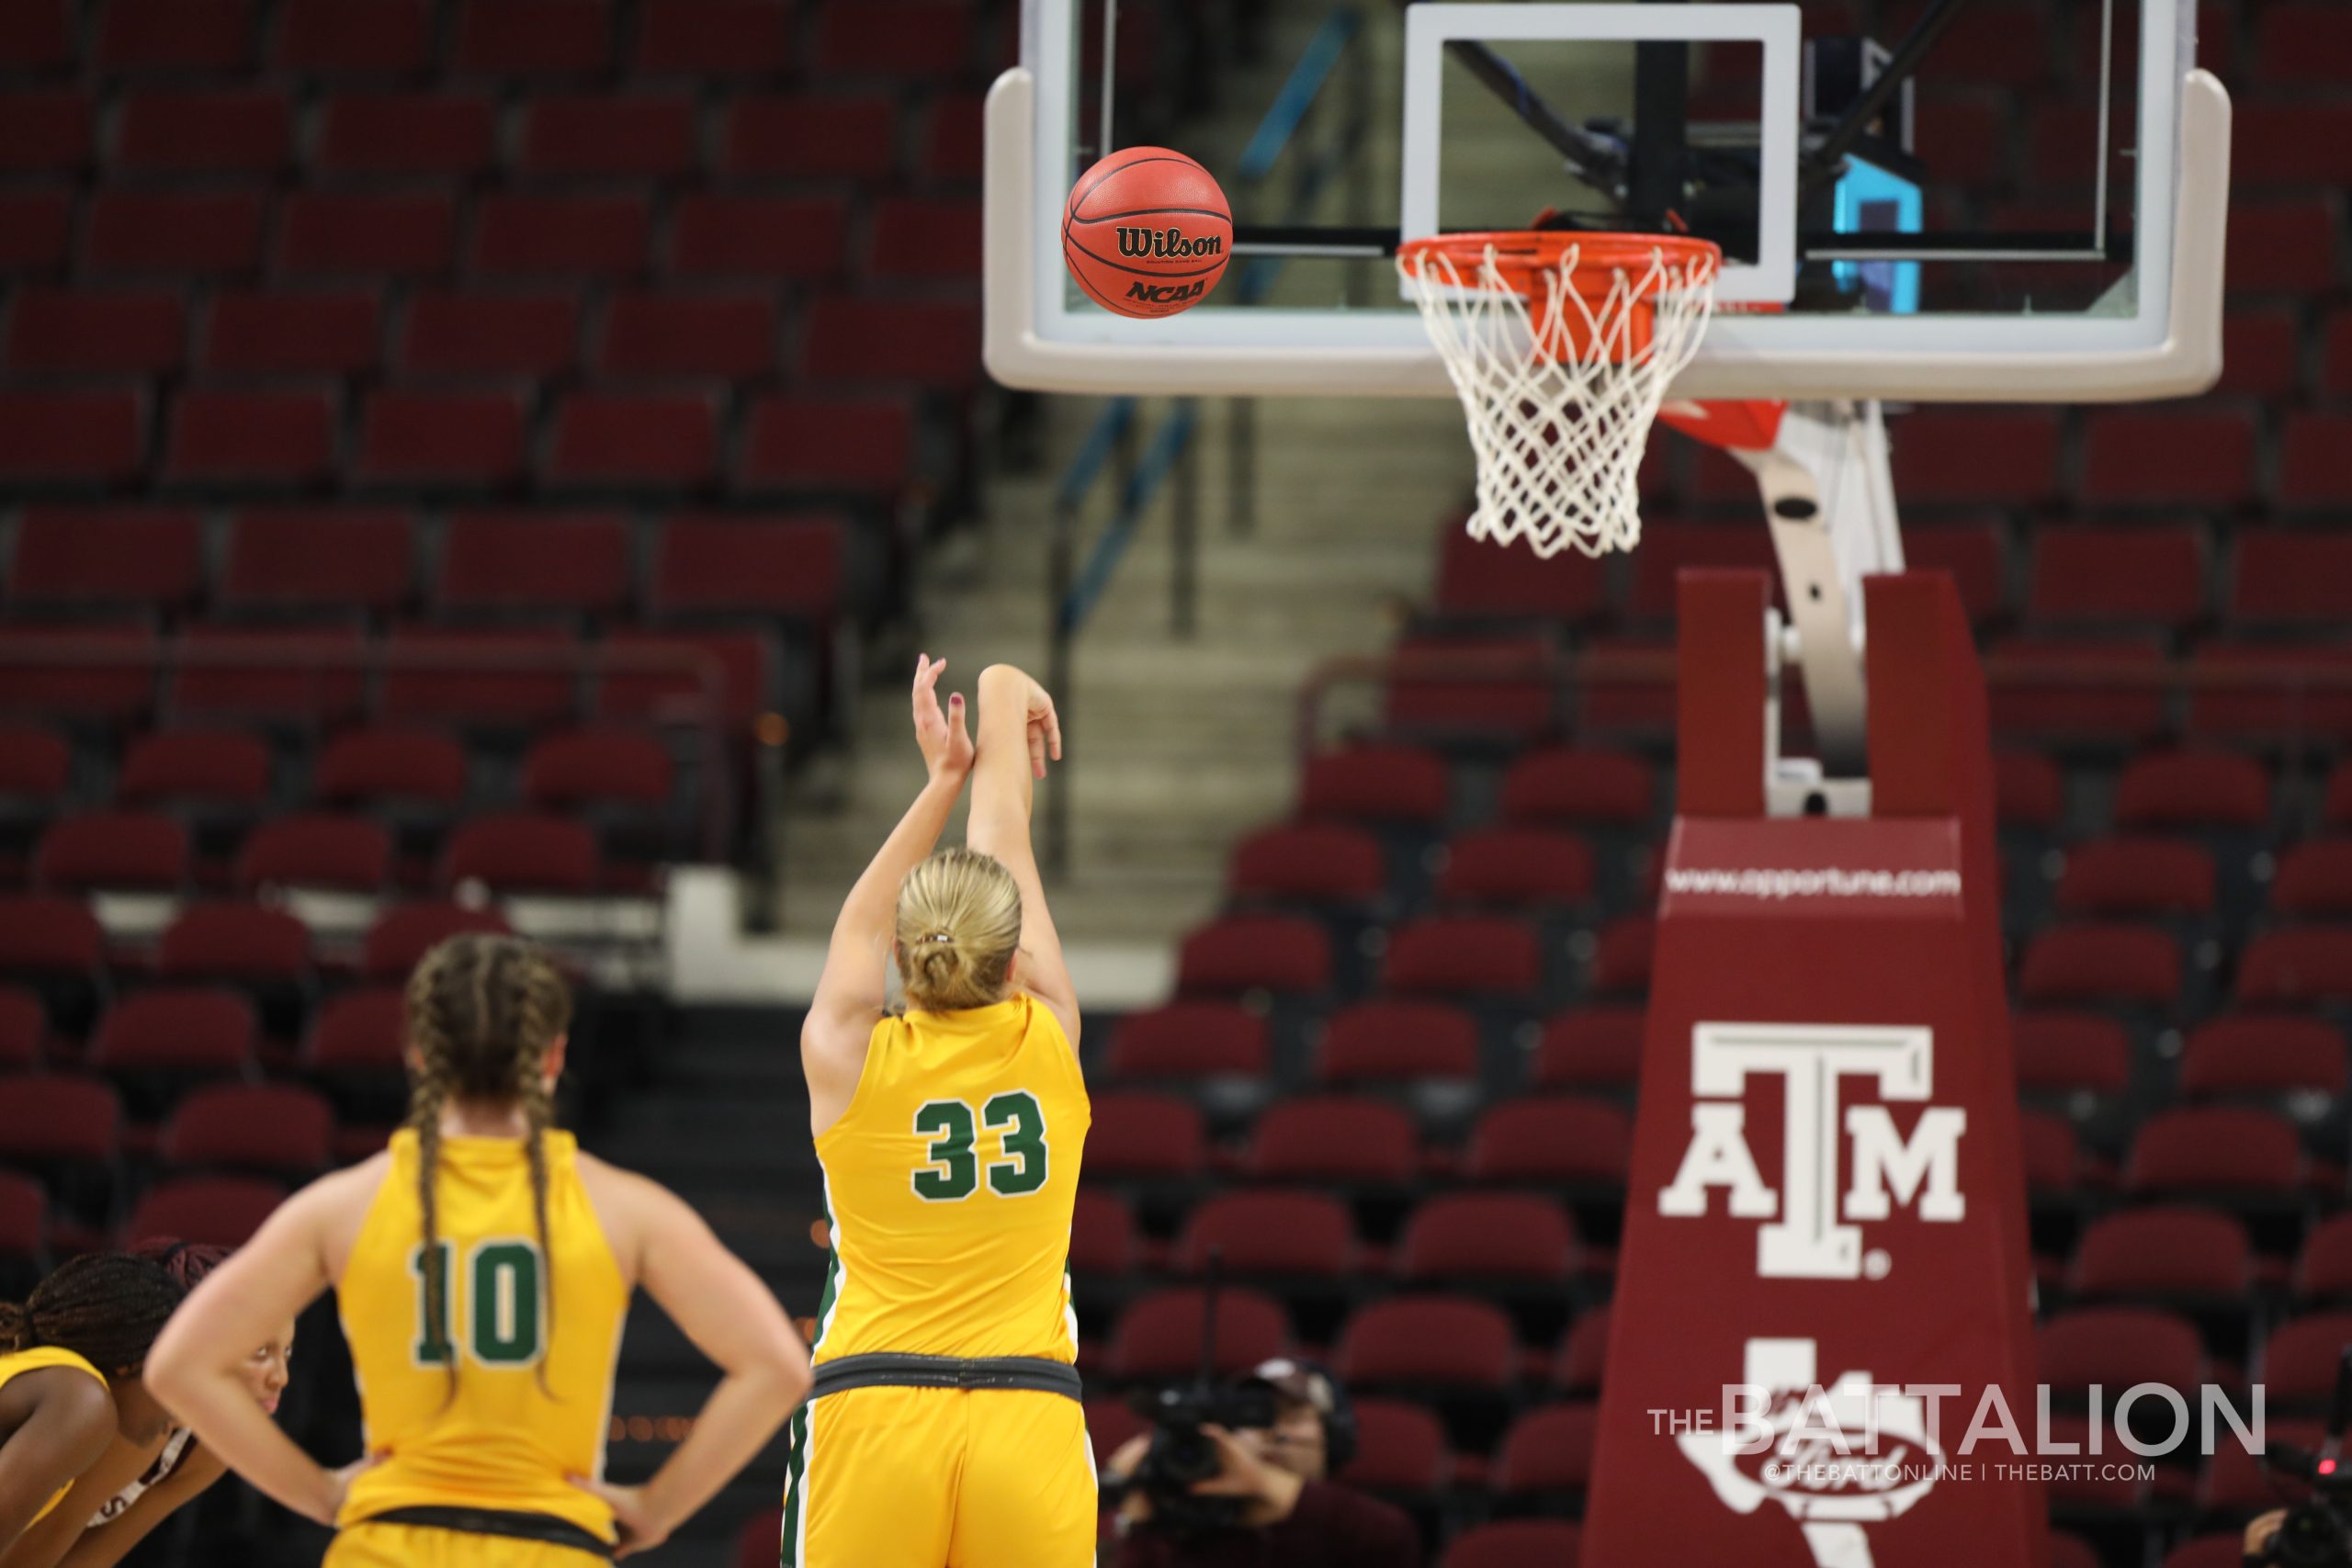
{"x": 2317, "y": 1532}
{"x": 1182, "y": 1454}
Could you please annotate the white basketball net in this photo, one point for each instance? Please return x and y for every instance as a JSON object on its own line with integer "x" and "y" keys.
{"x": 1559, "y": 435}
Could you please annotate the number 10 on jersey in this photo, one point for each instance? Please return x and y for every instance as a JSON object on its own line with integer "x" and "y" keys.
{"x": 949, "y": 1127}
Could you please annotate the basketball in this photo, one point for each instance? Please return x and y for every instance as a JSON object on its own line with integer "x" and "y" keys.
{"x": 1147, "y": 232}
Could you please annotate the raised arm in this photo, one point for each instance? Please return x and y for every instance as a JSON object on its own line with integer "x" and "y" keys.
{"x": 1019, "y": 730}
{"x": 856, "y": 984}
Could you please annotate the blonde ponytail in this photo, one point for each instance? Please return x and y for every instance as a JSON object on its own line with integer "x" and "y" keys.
{"x": 958, "y": 927}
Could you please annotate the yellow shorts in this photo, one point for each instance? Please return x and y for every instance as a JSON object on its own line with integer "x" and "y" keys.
{"x": 939, "y": 1478}
{"x": 365, "y": 1545}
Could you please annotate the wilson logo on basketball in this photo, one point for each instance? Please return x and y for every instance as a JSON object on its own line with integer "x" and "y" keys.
{"x": 1167, "y": 244}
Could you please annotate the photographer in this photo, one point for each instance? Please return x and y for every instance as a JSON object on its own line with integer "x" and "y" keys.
{"x": 1269, "y": 1501}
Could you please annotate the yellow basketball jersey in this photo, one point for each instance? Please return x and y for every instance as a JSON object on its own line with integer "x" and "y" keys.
{"x": 21, "y": 1361}
{"x": 496, "y": 1438}
{"x": 949, "y": 1183}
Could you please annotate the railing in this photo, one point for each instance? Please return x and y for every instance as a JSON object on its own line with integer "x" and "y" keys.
{"x": 2314, "y": 715}
{"x": 318, "y": 688}
{"x": 1171, "y": 455}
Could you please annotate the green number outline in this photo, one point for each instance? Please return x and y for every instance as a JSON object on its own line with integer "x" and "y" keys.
{"x": 953, "y": 1173}
{"x": 483, "y": 1263}
{"x": 1017, "y": 1116}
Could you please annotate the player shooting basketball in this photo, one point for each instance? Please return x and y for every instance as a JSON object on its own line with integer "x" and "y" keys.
{"x": 945, "y": 1424}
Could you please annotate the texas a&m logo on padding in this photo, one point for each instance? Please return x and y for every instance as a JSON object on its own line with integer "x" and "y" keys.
{"x": 1812, "y": 1233}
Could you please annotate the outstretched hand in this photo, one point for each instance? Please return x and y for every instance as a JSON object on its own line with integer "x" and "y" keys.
{"x": 940, "y": 729}
{"x": 1042, "y": 725}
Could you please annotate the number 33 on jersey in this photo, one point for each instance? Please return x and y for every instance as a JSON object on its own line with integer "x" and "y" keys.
{"x": 949, "y": 1183}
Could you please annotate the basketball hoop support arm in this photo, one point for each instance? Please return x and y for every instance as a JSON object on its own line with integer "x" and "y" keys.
{"x": 1828, "y": 494}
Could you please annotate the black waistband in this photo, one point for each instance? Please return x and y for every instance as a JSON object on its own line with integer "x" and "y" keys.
{"x": 884, "y": 1369}
{"x": 515, "y": 1525}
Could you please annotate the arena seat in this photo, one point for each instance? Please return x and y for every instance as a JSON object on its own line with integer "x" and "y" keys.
{"x": 353, "y": 234}
{"x": 24, "y": 1233}
{"x": 2300, "y": 1360}
{"x": 1548, "y": 1449}
{"x": 1308, "y": 862}
{"x": 1189, "y": 1040}
{"x": 56, "y": 1121}
{"x": 1245, "y": 952}
{"x": 233, "y": 942}
{"x": 157, "y": 1042}
{"x": 2126, "y": 877}
{"x": 2323, "y": 1269}
{"x": 1571, "y": 787}
{"x": 893, "y": 40}
{"x": 618, "y": 136}
{"x": 1146, "y": 1136}
{"x": 2116, "y": 963}
{"x": 2149, "y": 575}
{"x": 1516, "y": 1544}
{"x": 1478, "y": 583}
{"x": 538, "y": 689}
{"x": 2292, "y": 577}
{"x": 24, "y": 1029}
{"x": 807, "y": 136}
{"x": 2117, "y": 1348}
{"x": 1524, "y": 868}
{"x": 641, "y": 440}
{"x": 523, "y": 851}
{"x": 1305, "y": 1234}
{"x": 313, "y": 563}
{"x": 1590, "y": 1048}
{"x": 1463, "y": 955}
{"x": 717, "y": 336}
{"x": 1496, "y": 1236}
{"x": 194, "y": 767}
{"x": 2263, "y": 1054}
{"x": 143, "y": 560}
{"x": 1102, "y": 1242}
{"x": 253, "y": 331}
{"x": 2214, "y": 1151}
{"x": 1400, "y": 1448}
{"x": 240, "y": 130}
{"x": 2163, "y": 1253}
{"x": 2310, "y": 474}
{"x": 372, "y": 134}
{"x": 607, "y": 769}
{"x": 223, "y": 1210}
{"x": 440, "y": 440}
{"x": 172, "y": 233}
{"x": 1389, "y": 1040}
{"x": 390, "y": 765}
{"x": 401, "y": 936}
{"x": 851, "y": 447}
{"x": 699, "y": 39}
{"x": 89, "y": 437}
{"x": 533, "y": 332}
{"x": 545, "y": 235}
{"x": 277, "y": 1130}
{"x": 1334, "y": 1139}
{"x": 532, "y": 38}
{"x": 1402, "y": 786}
{"x": 95, "y": 333}
{"x": 115, "y": 851}
{"x": 2306, "y": 41}
{"x": 1552, "y": 1139}
{"x": 2204, "y": 457}
{"x": 2299, "y": 967}
{"x": 2069, "y": 1052}
{"x": 1158, "y": 1336}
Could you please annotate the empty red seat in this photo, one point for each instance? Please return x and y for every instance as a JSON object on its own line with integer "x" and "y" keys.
{"x": 95, "y": 331}
{"x": 736, "y": 670}
{"x": 2298, "y": 967}
{"x": 2236, "y": 1481}
{"x": 1547, "y": 1449}
{"x": 280, "y": 1129}
{"x": 1939, "y": 456}
{"x": 2300, "y": 1362}
{"x": 35, "y": 764}
{"x": 2263, "y": 1053}
{"x": 35, "y": 35}
{"x": 216, "y": 1211}
{"x": 2311, "y": 461}
{"x": 2293, "y": 577}
{"x": 1146, "y": 1137}
{"x": 279, "y": 673}
{"x": 319, "y": 332}
{"x": 910, "y": 39}
{"x": 2304, "y": 41}
{"x": 727, "y": 564}
{"x": 1622, "y": 956}
{"x": 2314, "y": 879}
{"x": 1463, "y": 955}
{"x": 316, "y": 849}
{"x": 1973, "y": 553}
{"x": 2077, "y": 691}
{"x": 1189, "y": 1040}
{"x": 634, "y": 439}
{"x": 523, "y": 851}
{"x": 2335, "y": 361}
{"x": 234, "y": 942}
{"x": 23, "y": 1230}
{"x": 1333, "y": 1139}
{"x": 1158, "y": 1336}
{"x": 1516, "y": 866}
{"x": 2125, "y": 876}
{"x": 2067, "y": 1052}
{"x": 519, "y": 234}
{"x": 918, "y": 239}
{"x": 36, "y": 228}
{"x": 2261, "y": 353}
{"x": 2028, "y": 790}
{"x": 808, "y": 136}
{"x": 1516, "y": 1544}
{"x": 496, "y": 677}
{"x": 117, "y": 557}
{"x": 2291, "y": 146}
{"x": 1270, "y": 1232}
{"x": 384, "y": 766}
{"x": 112, "y": 850}
{"x": 401, "y": 937}
{"x": 372, "y": 38}
{"x": 597, "y": 767}
{"x": 2149, "y": 576}
{"x": 175, "y": 35}
{"x": 86, "y": 436}
{"x": 1493, "y": 689}
{"x": 1387, "y": 1039}
{"x": 759, "y": 237}
{"x": 2161, "y": 1251}
{"x": 520, "y": 562}
{"x": 179, "y": 1030}
{"x": 2283, "y": 246}
{"x": 2117, "y": 1348}
{"x": 1668, "y": 552}
{"x": 1479, "y": 579}
{"x": 1490, "y": 1235}
{"x": 1550, "y": 1140}
{"x": 1312, "y": 862}
{"x": 44, "y": 129}
{"x": 1596, "y": 1047}
{"x": 2217, "y": 1148}
{"x": 1568, "y": 786}
{"x": 952, "y": 139}
{"x": 727, "y": 337}
{"x": 2131, "y": 457}
{"x": 1102, "y": 1236}
{"x": 2323, "y": 1269}
{"x": 2192, "y": 789}
{"x": 179, "y": 131}
{"x": 1243, "y": 952}
{"x": 451, "y": 134}
{"x": 534, "y": 38}
{"x": 1427, "y": 1342}
{"x": 42, "y": 934}
{"x": 1403, "y": 784}
{"x": 932, "y": 343}
{"x": 50, "y": 1119}
{"x": 256, "y": 437}
{"x": 336, "y": 234}
{"x": 358, "y": 1033}
{"x": 1399, "y": 1447}
{"x": 194, "y": 765}
{"x": 352, "y": 559}
{"x": 862, "y": 446}
{"x": 532, "y": 333}
{"x": 620, "y": 135}
{"x": 713, "y": 38}
{"x": 1584, "y": 1352}
{"x": 2258, "y": 689}
{"x": 470, "y": 439}
{"x": 2130, "y": 964}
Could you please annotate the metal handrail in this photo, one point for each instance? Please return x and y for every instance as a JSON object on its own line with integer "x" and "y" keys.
{"x": 167, "y": 656}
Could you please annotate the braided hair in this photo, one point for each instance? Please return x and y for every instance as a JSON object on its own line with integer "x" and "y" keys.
{"x": 185, "y": 1261}
{"x": 106, "y": 1308}
{"x": 483, "y": 1012}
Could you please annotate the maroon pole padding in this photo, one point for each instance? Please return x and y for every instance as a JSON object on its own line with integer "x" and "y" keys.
{"x": 1827, "y": 1188}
